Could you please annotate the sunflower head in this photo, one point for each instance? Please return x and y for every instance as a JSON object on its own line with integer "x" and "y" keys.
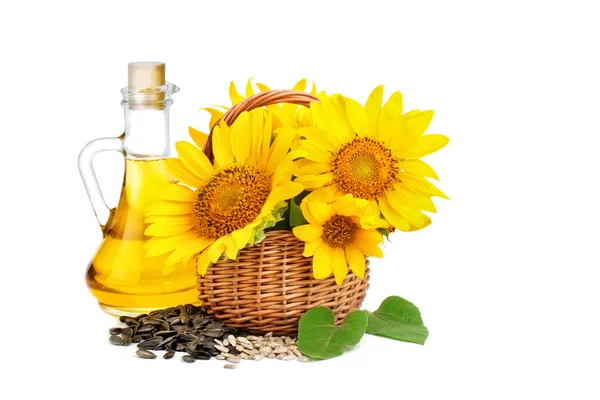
{"x": 336, "y": 237}
{"x": 371, "y": 152}
{"x": 223, "y": 206}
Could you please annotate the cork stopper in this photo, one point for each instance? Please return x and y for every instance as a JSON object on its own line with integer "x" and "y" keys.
{"x": 146, "y": 74}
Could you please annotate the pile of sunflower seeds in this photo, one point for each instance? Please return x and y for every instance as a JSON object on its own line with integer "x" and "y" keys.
{"x": 188, "y": 328}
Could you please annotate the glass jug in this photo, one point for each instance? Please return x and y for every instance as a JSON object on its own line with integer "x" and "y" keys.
{"x": 120, "y": 276}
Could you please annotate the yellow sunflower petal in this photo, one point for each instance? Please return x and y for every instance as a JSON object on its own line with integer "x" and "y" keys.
{"x": 357, "y": 117}
{"x": 216, "y": 250}
{"x": 411, "y": 126}
{"x": 262, "y": 141}
{"x": 322, "y": 262}
{"x": 182, "y": 174}
{"x": 300, "y": 86}
{"x": 390, "y": 118}
{"x": 373, "y": 110}
{"x": 151, "y": 219}
{"x": 367, "y": 241}
{"x": 308, "y": 233}
{"x": 262, "y": 87}
{"x": 418, "y": 168}
{"x": 319, "y": 138}
{"x": 234, "y": 95}
{"x": 256, "y": 125}
{"x": 156, "y": 246}
{"x": 221, "y": 145}
{"x": 338, "y": 265}
{"x": 175, "y": 192}
{"x": 309, "y": 150}
{"x": 285, "y": 191}
{"x": 427, "y": 223}
{"x": 315, "y": 181}
{"x": 356, "y": 260}
{"x": 423, "y": 146}
{"x": 393, "y": 217}
{"x": 231, "y": 250}
{"x": 192, "y": 247}
{"x": 215, "y": 116}
{"x": 414, "y": 199}
{"x": 308, "y": 167}
{"x": 168, "y": 228}
{"x": 311, "y": 247}
{"x": 202, "y": 262}
{"x": 329, "y": 117}
{"x": 279, "y": 148}
{"x": 414, "y": 217}
{"x": 170, "y": 208}
{"x": 321, "y": 212}
{"x": 186, "y": 249}
{"x": 249, "y": 89}
{"x": 198, "y": 137}
{"x": 241, "y": 138}
{"x": 422, "y": 185}
{"x": 194, "y": 160}
{"x": 325, "y": 194}
{"x": 416, "y": 122}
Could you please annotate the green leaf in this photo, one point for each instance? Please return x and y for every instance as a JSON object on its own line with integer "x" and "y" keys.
{"x": 398, "y": 319}
{"x": 296, "y": 216}
{"x": 320, "y": 338}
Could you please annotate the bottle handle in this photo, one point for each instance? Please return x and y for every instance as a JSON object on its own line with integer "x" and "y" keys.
{"x": 88, "y": 175}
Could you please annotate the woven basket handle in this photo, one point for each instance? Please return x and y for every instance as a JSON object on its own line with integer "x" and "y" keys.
{"x": 259, "y": 100}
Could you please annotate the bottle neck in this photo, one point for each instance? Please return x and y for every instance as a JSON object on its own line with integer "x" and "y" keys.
{"x": 146, "y": 132}
{"x": 147, "y": 121}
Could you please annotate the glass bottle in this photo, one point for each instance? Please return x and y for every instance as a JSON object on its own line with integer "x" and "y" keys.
{"x": 120, "y": 276}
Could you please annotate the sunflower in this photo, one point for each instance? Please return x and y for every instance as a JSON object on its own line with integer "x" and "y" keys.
{"x": 223, "y": 207}
{"x": 336, "y": 237}
{"x": 289, "y": 115}
{"x": 371, "y": 152}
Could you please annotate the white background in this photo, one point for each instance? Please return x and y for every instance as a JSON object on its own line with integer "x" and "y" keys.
{"x": 506, "y": 277}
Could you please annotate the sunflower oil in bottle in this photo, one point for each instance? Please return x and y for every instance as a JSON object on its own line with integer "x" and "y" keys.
{"x": 120, "y": 276}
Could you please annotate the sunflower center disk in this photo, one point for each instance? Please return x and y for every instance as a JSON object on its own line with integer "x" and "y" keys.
{"x": 230, "y": 200}
{"x": 365, "y": 168}
{"x": 339, "y": 231}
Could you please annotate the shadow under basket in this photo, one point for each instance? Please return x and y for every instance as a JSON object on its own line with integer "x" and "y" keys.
{"x": 270, "y": 286}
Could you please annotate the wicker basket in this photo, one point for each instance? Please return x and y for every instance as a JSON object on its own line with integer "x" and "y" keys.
{"x": 270, "y": 285}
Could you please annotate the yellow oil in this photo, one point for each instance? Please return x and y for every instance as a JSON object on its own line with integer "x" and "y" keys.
{"x": 120, "y": 276}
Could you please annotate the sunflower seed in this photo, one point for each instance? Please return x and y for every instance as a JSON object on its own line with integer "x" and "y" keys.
{"x": 280, "y": 350}
{"x": 222, "y": 349}
{"x": 303, "y": 358}
{"x": 232, "y": 340}
{"x": 272, "y": 355}
{"x": 230, "y": 366}
{"x": 188, "y": 359}
{"x": 251, "y": 338}
{"x": 225, "y": 342}
{"x": 243, "y": 340}
{"x": 169, "y": 354}
{"x": 234, "y": 360}
{"x": 127, "y": 332}
{"x": 220, "y": 357}
{"x": 258, "y": 357}
{"x": 228, "y": 355}
{"x": 116, "y": 340}
{"x": 145, "y": 354}
{"x": 115, "y": 331}
{"x": 289, "y": 357}
{"x": 200, "y": 355}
